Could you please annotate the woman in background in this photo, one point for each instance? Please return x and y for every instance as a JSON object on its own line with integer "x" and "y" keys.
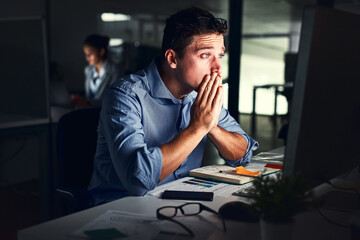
{"x": 99, "y": 74}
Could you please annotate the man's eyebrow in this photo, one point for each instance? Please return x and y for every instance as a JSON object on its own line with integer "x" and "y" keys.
{"x": 202, "y": 48}
{"x": 207, "y": 47}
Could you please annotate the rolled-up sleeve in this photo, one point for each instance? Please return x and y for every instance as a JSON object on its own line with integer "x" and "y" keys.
{"x": 136, "y": 164}
{"x": 228, "y": 123}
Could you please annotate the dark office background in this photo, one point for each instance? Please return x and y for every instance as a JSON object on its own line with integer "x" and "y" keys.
{"x": 41, "y": 42}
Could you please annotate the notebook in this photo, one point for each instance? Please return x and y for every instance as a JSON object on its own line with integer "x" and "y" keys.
{"x": 225, "y": 173}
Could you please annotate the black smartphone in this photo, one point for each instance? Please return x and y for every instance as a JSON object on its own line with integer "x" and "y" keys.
{"x": 188, "y": 195}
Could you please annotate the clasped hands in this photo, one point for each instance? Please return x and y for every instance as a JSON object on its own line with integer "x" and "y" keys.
{"x": 206, "y": 108}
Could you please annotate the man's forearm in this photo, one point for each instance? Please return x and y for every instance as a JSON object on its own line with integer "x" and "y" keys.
{"x": 231, "y": 145}
{"x": 178, "y": 149}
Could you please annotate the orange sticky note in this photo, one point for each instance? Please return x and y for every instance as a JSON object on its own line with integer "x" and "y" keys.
{"x": 241, "y": 170}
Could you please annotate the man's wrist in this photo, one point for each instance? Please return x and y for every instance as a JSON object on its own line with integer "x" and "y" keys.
{"x": 198, "y": 130}
{"x": 214, "y": 131}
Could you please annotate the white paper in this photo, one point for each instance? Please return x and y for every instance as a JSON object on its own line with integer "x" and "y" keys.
{"x": 218, "y": 188}
{"x": 137, "y": 226}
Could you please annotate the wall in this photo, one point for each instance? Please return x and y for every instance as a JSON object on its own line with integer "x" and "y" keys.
{"x": 22, "y": 8}
{"x": 69, "y": 25}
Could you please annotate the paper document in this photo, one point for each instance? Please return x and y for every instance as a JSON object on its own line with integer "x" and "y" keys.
{"x": 195, "y": 184}
{"x": 125, "y": 225}
{"x": 135, "y": 226}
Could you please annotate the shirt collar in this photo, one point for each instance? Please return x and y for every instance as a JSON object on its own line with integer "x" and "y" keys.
{"x": 158, "y": 88}
{"x": 95, "y": 74}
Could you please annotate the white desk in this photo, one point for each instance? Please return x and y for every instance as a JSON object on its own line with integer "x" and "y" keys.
{"x": 59, "y": 229}
{"x": 308, "y": 225}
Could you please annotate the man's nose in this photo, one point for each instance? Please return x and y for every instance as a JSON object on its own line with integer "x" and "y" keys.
{"x": 216, "y": 66}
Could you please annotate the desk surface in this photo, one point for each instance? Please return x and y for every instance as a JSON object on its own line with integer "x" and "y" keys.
{"x": 59, "y": 229}
{"x": 308, "y": 225}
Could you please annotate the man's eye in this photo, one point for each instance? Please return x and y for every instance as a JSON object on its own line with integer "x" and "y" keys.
{"x": 205, "y": 55}
{"x": 221, "y": 55}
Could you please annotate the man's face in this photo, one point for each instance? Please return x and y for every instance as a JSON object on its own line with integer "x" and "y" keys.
{"x": 201, "y": 57}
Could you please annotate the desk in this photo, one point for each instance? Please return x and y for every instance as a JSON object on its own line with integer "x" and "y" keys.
{"x": 277, "y": 88}
{"x": 309, "y": 225}
{"x": 59, "y": 229}
{"x": 14, "y": 120}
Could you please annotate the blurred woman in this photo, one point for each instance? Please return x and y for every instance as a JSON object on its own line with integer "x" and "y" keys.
{"x": 99, "y": 74}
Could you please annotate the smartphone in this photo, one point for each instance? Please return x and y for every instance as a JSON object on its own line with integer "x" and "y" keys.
{"x": 188, "y": 195}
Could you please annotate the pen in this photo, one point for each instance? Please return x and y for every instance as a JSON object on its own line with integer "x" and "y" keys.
{"x": 226, "y": 172}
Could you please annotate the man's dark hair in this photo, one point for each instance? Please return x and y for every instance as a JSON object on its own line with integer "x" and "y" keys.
{"x": 182, "y": 26}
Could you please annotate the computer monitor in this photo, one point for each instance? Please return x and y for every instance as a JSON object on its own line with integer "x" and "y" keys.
{"x": 24, "y": 72}
{"x": 324, "y": 128}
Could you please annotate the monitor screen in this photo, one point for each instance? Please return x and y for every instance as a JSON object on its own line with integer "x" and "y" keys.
{"x": 324, "y": 128}
{"x": 24, "y": 72}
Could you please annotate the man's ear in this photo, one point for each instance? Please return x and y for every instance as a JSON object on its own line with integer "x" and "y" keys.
{"x": 170, "y": 57}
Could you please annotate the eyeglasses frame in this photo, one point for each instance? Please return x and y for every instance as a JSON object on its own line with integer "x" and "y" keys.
{"x": 201, "y": 208}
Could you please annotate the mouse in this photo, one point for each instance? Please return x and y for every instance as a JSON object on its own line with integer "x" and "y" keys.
{"x": 239, "y": 211}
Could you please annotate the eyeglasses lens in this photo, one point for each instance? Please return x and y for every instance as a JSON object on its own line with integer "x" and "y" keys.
{"x": 191, "y": 209}
{"x": 168, "y": 211}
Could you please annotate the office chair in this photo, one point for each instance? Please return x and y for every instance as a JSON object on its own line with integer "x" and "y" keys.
{"x": 77, "y": 138}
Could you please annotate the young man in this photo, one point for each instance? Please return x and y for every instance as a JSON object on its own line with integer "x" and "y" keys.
{"x": 154, "y": 124}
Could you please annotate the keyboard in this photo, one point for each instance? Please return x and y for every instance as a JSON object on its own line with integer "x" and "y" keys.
{"x": 244, "y": 192}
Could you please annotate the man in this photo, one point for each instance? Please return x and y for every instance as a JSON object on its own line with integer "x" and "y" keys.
{"x": 154, "y": 124}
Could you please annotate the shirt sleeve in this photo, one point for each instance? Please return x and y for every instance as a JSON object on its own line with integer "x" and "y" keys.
{"x": 87, "y": 74}
{"x": 227, "y": 122}
{"x": 137, "y": 165}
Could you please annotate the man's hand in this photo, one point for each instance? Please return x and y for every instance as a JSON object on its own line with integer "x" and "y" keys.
{"x": 206, "y": 109}
{"x": 204, "y": 113}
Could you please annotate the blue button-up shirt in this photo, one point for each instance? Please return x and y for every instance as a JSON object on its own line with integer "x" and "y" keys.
{"x": 138, "y": 115}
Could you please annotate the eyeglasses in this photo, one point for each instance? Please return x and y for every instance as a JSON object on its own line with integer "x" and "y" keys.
{"x": 211, "y": 22}
{"x": 187, "y": 209}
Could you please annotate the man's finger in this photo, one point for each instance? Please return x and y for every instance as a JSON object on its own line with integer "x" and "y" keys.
{"x": 214, "y": 89}
{"x": 202, "y": 86}
{"x": 217, "y": 102}
{"x": 208, "y": 94}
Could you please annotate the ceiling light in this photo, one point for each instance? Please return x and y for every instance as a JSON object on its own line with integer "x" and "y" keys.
{"x": 116, "y": 41}
{"x": 114, "y": 17}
